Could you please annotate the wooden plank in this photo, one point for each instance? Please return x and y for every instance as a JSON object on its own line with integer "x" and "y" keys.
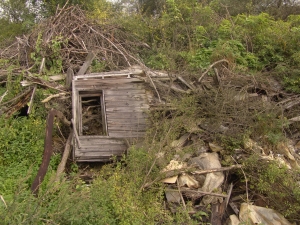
{"x": 92, "y": 155}
{"x": 137, "y": 97}
{"x": 126, "y": 115}
{"x": 126, "y": 102}
{"x": 96, "y": 159}
{"x": 109, "y": 83}
{"x": 128, "y": 123}
{"x": 69, "y": 78}
{"x": 124, "y": 134}
{"x": 112, "y": 91}
{"x": 134, "y": 104}
{"x": 127, "y": 128}
{"x": 93, "y": 86}
{"x": 105, "y": 140}
{"x": 133, "y": 122}
{"x": 110, "y": 149}
{"x": 127, "y": 109}
{"x": 103, "y": 151}
{"x": 103, "y": 113}
{"x": 102, "y": 146}
{"x": 100, "y": 153}
{"x": 87, "y": 63}
{"x": 123, "y": 92}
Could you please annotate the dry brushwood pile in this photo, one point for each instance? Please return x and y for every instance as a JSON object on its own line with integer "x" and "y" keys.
{"x": 76, "y": 35}
{"x": 228, "y": 119}
{"x": 223, "y": 117}
{"x": 60, "y": 43}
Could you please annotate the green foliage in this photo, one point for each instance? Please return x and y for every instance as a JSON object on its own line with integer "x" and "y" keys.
{"x": 114, "y": 198}
{"x": 183, "y": 35}
{"x": 51, "y": 53}
{"x": 277, "y": 182}
{"x": 13, "y": 85}
{"x": 21, "y": 146}
{"x": 269, "y": 126}
{"x": 159, "y": 61}
{"x": 9, "y": 31}
{"x": 231, "y": 143}
{"x": 101, "y": 10}
{"x": 49, "y": 7}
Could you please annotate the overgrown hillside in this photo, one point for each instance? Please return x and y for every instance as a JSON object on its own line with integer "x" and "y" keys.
{"x": 230, "y": 91}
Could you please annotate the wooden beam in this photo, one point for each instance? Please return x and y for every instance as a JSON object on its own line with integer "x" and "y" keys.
{"x": 88, "y": 61}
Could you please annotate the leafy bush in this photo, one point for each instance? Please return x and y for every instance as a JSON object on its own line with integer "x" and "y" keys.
{"x": 276, "y": 182}
{"x": 21, "y": 147}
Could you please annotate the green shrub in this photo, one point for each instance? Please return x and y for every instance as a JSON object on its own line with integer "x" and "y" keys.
{"x": 277, "y": 183}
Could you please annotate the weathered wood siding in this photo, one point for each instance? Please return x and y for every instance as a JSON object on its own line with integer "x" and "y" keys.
{"x": 125, "y": 105}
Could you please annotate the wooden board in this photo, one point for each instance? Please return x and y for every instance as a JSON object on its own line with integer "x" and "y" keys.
{"x": 123, "y": 92}
{"x": 127, "y": 122}
{"x": 125, "y": 134}
{"x": 133, "y": 104}
{"x": 112, "y": 116}
{"x": 96, "y": 159}
{"x": 103, "y": 140}
{"x": 126, "y": 117}
{"x": 101, "y": 87}
{"x": 128, "y": 97}
{"x": 102, "y": 152}
{"x": 127, "y": 129}
{"x": 127, "y": 109}
{"x": 108, "y": 82}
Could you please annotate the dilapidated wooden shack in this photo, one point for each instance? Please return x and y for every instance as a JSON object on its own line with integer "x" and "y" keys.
{"x": 109, "y": 111}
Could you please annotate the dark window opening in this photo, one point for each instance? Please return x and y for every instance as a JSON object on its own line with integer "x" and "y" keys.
{"x": 92, "y": 114}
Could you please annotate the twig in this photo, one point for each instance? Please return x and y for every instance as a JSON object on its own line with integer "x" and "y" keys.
{"x": 228, "y": 194}
{"x": 294, "y": 119}
{"x": 3, "y": 200}
{"x": 154, "y": 86}
{"x": 201, "y": 192}
{"x": 58, "y": 127}
{"x": 112, "y": 45}
{"x": 48, "y": 86}
{"x": 183, "y": 202}
{"x": 31, "y": 100}
{"x": 161, "y": 145}
{"x": 171, "y": 86}
{"x": 62, "y": 9}
{"x": 42, "y": 66}
{"x": 186, "y": 83}
{"x": 53, "y": 96}
{"x": 17, "y": 97}
{"x": 2, "y": 96}
{"x": 211, "y": 66}
{"x": 246, "y": 180}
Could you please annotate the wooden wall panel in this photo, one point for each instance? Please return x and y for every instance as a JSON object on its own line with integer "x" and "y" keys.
{"x": 126, "y": 106}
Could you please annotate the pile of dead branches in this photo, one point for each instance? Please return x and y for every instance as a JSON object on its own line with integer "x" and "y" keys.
{"x": 77, "y": 35}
